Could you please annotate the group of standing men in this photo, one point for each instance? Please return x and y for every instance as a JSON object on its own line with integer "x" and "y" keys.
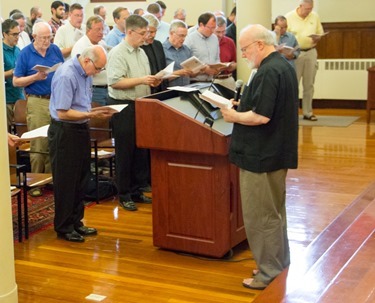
{"x": 265, "y": 134}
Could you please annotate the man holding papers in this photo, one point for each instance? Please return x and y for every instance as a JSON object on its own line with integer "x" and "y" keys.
{"x": 264, "y": 146}
{"x": 69, "y": 139}
{"x": 37, "y": 86}
{"x": 306, "y": 26}
{"x": 129, "y": 77}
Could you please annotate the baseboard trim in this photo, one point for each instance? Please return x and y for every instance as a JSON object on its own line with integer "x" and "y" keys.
{"x": 344, "y": 104}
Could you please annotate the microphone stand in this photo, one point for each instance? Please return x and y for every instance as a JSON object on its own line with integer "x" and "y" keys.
{"x": 201, "y": 101}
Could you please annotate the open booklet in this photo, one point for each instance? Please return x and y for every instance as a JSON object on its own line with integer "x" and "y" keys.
{"x": 318, "y": 35}
{"x": 40, "y": 132}
{"x": 167, "y": 73}
{"x": 46, "y": 69}
{"x": 285, "y": 49}
{"x": 220, "y": 65}
{"x": 216, "y": 100}
{"x": 193, "y": 64}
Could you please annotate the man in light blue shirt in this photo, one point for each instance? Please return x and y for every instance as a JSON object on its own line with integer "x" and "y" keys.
{"x": 287, "y": 43}
{"x": 205, "y": 46}
{"x": 117, "y": 34}
{"x": 175, "y": 51}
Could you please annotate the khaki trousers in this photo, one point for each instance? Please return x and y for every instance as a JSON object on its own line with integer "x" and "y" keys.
{"x": 264, "y": 215}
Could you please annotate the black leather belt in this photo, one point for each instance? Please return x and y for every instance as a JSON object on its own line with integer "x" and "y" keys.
{"x": 306, "y": 49}
{"x": 40, "y": 96}
{"x": 100, "y": 86}
{"x": 224, "y": 76}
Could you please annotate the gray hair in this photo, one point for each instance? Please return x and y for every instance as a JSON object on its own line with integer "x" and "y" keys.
{"x": 92, "y": 52}
{"x": 152, "y": 20}
{"x": 40, "y": 25}
{"x": 260, "y": 33}
{"x": 17, "y": 16}
{"x": 221, "y": 21}
{"x": 306, "y": 1}
{"x": 93, "y": 20}
{"x": 180, "y": 10}
{"x": 175, "y": 24}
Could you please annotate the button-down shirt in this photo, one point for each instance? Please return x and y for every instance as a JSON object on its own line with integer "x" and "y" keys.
{"x": 114, "y": 37}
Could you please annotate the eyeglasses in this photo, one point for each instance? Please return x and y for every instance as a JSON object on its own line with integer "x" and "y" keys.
{"x": 15, "y": 34}
{"x": 98, "y": 69}
{"x": 141, "y": 33}
{"x": 180, "y": 35}
{"x": 245, "y": 48}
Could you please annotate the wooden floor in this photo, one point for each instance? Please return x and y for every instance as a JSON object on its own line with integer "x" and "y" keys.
{"x": 336, "y": 165}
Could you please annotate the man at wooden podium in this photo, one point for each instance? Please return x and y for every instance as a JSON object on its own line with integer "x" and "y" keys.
{"x": 264, "y": 146}
{"x": 129, "y": 77}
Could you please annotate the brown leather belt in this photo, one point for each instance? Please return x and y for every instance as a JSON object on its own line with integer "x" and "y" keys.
{"x": 40, "y": 96}
{"x": 224, "y": 76}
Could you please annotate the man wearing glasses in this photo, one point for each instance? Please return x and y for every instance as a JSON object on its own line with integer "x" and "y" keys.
{"x": 11, "y": 32}
{"x": 37, "y": 85}
{"x": 205, "y": 46}
{"x": 129, "y": 77}
{"x": 264, "y": 145}
{"x": 94, "y": 36}
{"x": 69, "y": 139}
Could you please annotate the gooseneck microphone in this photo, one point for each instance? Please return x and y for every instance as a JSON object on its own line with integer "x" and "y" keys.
{"x": 237, "y": 92}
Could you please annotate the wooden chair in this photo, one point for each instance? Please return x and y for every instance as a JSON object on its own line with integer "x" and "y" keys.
{"x": 20, "y": 124}
{"x": 22, "y": 179}
{"x": 14, "y": 191}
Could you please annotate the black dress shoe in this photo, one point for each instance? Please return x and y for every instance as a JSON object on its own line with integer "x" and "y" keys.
{"x": 141, "y": 198}
{"x": 72, "y": 237}
{"x": 86, "y": 231}
{"x": 128, "y": 205}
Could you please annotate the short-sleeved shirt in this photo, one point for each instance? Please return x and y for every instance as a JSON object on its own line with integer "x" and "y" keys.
{"x": 67, "y": 35}
{"x": 272, "y": 93}
{"x": 28, "y": 58}
{"x": 71, "y": 89}
{"x": 12, "y": 94}
{"x": 206, "y": 49}
{"x": 114, "y": 37}
{"x": 288, "y": 39}
{"x": 302, "y": 28}
{"x": 177, "y": 55}
{"x": 125, "y": 61}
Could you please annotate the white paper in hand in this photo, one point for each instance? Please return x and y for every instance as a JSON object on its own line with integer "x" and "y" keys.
{"x": 215, "y": 99}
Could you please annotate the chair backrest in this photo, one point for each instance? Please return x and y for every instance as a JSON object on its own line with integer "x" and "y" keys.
{"x": 100, "y": 129}
{"x": 20, "y": 123}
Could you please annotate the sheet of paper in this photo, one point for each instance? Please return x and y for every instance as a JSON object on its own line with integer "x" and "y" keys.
{"x": 166, "y": 72}
{"x": 185, "y": 89}
{"x": 103, "y": 153}
{"x": 117, "y": 107}
{"x": 40, "y": 132}
{"x": 215, "y": 99}
{"x": 318, "y": 35}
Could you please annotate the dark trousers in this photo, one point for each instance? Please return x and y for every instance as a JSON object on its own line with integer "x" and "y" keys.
{"x": 132, "y": 163}
{"x": 69, "y": 148}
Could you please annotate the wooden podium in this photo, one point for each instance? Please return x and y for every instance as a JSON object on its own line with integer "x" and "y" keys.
{"x": 196, "y": 203}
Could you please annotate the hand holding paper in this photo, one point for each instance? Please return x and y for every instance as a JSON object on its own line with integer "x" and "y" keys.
{"x": 216, "y": 100}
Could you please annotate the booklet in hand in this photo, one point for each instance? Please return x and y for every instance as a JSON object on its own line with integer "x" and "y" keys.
{"x": 40, "y": 132}
{"x": 193, "y": 64}
{"x": 216, "y": 100}
{"x": 46, "y": 69}
{"x": 167, "y": 73}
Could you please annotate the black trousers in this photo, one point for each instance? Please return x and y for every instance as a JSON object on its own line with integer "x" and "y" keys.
{"x": 70, "y": 149}
{"x": 132, "y": 163}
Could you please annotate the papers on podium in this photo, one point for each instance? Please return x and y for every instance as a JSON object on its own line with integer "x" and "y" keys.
{"x": 193, "y": 64}
{"x": 46, "y": 69}
{"x": 216, "y": 100}
{"x": 40, "y": 132}
{"x": 167, "y": 73}
{"x": 185, "y": 89}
